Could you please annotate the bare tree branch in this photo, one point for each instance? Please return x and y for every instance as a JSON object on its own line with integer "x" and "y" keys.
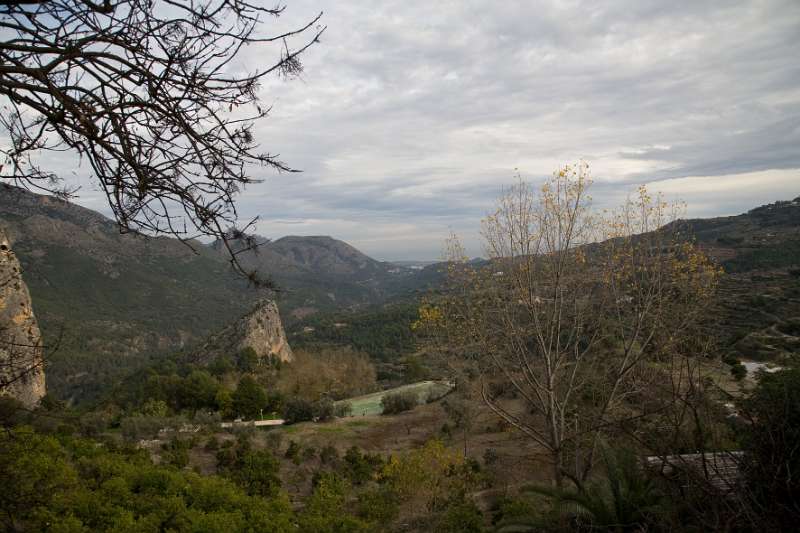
{"x": 152, "y": 95}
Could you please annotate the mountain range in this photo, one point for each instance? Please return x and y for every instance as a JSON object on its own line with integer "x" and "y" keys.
{"x": 105, "y": 300}
{"x": 320, "y": 273}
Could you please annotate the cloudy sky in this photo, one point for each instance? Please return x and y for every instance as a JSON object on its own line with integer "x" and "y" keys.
{"x": 412, "y": 115}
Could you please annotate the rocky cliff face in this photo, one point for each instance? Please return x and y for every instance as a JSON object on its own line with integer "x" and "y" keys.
{"x": 21, "y": 368}
{"x": 260, "y": 329}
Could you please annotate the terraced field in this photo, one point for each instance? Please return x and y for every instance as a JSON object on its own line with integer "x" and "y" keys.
{"x": 426, "y": 391}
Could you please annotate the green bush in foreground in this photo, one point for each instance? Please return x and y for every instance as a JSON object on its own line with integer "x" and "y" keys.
{"x": 625, "y": 499}
{"x": 70, "y": 485}
{"x": 76, "y": 485}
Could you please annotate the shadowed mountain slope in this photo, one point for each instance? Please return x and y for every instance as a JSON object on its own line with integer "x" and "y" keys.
{"x": 118, "y": 299}
{"x": 319, "y": 273}
{"x": 102, "y": 297}
{"x": 108, "y": 301}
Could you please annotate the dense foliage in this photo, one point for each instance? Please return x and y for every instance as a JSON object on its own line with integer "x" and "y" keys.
{"x": 384, "y": 333}
{"x": 54, "y": 482}
{"x": 399, "y": 402}
{"x": 298, "y": 410}
{"x": 326, "y": 372}
{"x": 253, "y": 480}
{"x": 773, "y": 446}
{"x": 765, "y": 257}
{"x": 66, "y": 484}
{"x": 242, "y": 386}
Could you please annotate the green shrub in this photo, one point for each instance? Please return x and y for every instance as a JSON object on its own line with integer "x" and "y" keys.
{"x": 771, "y": 443}
{"x": 93, "y": 423}
{"x": 142, "y": 427}
{"x": 293, "y": 452}
{"x": 328, "y": 455}
{"x": 257, "y": 473}
{"x": 226, "y": 456}
{"x": 249, "y": 398}
{"x": 414, "y": 370}
{"x": 360, "y": 467}
{"x": 69, "y": 484}
{"x": 176, "y": 452}
{"x": 298, "y": 410}
{"x": 490, "y": 456}
{"x": 309, "y": 453}
{"x": 399, "y": 402}
{"x": 322, "y": 410}
{"x": 221, "y": 365}
{"x": 12, "y": 412}
{"x": 460, "y": 516}
{"x": 524, "y": 512}
{"x": 328, "y": 508}
{"x": 625, "y": 499}
{"x": 343, "y": 409}
{"x": 738, "y": 371}
{"x": 247, "y": 360}
{"x": 378, "y": 505}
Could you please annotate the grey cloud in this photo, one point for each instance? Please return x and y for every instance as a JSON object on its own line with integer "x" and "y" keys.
{"x": 771, "y": 146}
{"x": 413, "y": 114}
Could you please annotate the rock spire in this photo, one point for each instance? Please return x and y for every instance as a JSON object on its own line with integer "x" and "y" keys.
{"x": 21, "y": 351}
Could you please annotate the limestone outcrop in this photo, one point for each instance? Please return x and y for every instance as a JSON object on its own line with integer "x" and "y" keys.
{"x": 260, "y": 329}
{"x": 21, "y": 350}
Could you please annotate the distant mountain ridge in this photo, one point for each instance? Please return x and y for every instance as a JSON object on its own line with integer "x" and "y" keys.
{"x": 317, "y": 254}
{"x": 106, "y": 299}
{"x": 119, "y": 297}
{"x": 320, "y": 273}
{"x": 326, "y": 254}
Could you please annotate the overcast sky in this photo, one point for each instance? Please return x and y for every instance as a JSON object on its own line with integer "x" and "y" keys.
{"x": 410, "y": 115}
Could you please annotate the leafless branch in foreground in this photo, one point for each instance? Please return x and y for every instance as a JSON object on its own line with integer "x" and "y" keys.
{"x": 152, "y": 94}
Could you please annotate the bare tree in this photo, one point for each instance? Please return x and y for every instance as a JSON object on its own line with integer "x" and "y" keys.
{"x": 574, "y": 316}
{"x": 149, "y": 93}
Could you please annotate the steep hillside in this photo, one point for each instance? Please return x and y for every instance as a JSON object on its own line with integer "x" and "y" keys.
{"x": 757, "y": 315}
{"x": 106, "y": 302}
{"x": 759, "y": 299}
{"x": 104, "y": 299}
